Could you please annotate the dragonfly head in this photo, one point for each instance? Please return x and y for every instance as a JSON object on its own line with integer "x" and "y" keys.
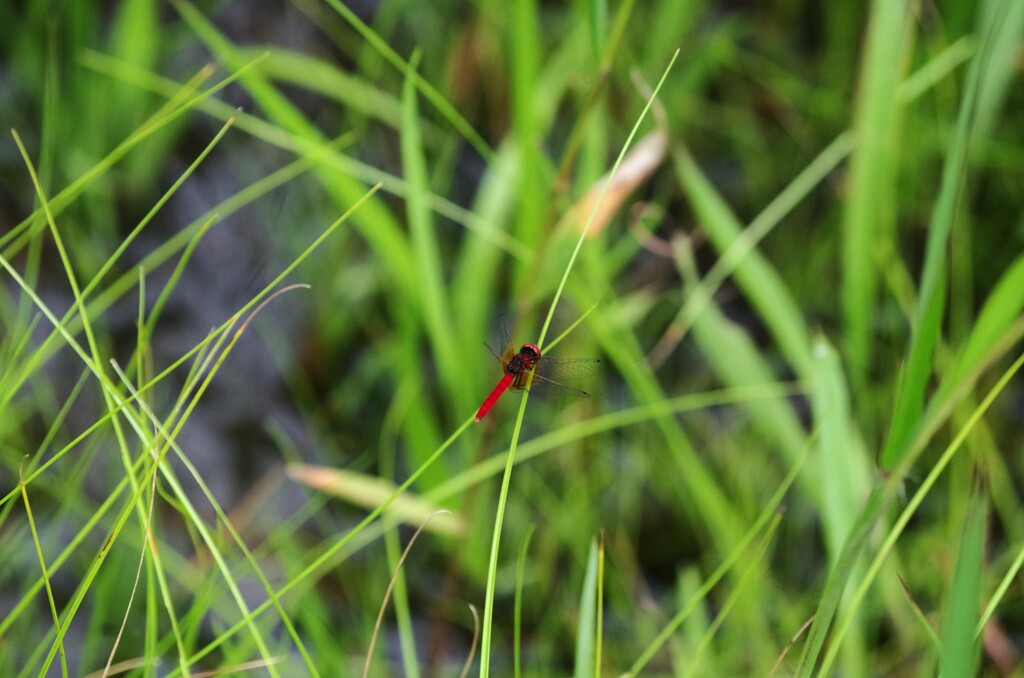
{"x": 530, "y": 351}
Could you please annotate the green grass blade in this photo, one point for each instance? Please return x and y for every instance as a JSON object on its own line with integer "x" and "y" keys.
{"x": 743, "y": 244}
{"x": 997, "y": 317}
{"x": 600, "y": 199}
{"x": 168, "y": 440}
{"x": 317, "y": 564}
{"x": 931, "y": 303}
{"x": 738, "y": 363}
{"x": 749, "y": 575}
{"x": 845, "y": 479}
{"x": 526, "y": 122}
{"x": 15, "y": 239}
{"x": 432, "y": 293}
{"x": 315, "y": 147}
{"x": 586, "y": 623}
{"x": 870, "y": 215}
{"x": 1007, "y": 22}
{"x": 428, "y": 90}
{"x": 604, "y": 423}
{"x": 46, "y": 580}
{"x": 116, "y": 402}
{"x": 999, "y": 595}
{"x": 598, "y": 15}
{"x": 375, "y": 222}
{"x": 763, "y": 524}
{"x": 323, "y": 77}
{"x": 599, "y": 631}
{"x": 499, "y": 518}
{"x": 959, "y": 642}
{"x": 760, "y": 282}
{"x": 520, "y": 578}
{"x": 908, "y": 512}
{"x": 839, "y": 578}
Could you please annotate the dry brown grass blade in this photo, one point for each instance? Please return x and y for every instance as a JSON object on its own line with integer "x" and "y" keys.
{"x": 636, "y": 168}
{"x": 472, "y": 647}
{"x": 149, "y": 542}
{"x": 124, "y": 667}
{"x": 370, "y": 492}
{"x": 799, "y": 632}
{"x": 237, "y": 668}
{"x": 391, "y": 586}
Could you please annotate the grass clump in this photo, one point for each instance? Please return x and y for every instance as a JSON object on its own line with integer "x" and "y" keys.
{"x": 803, "y": 274}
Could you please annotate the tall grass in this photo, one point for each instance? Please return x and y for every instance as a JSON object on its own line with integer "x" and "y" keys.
{"x": 804, "y": 279}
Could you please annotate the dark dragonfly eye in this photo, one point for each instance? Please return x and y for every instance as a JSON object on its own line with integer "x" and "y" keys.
{"x": 530, "y": 351}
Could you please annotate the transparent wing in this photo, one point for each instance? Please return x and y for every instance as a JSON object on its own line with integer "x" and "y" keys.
{"x": 551, "y": 372}
{"x": 567, "y": 369}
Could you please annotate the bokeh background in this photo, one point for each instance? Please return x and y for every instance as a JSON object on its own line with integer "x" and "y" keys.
{"x": 809, "y": 263}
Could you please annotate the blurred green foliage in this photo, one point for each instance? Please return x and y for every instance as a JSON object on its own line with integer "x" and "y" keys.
{"x": 807, "y": 289}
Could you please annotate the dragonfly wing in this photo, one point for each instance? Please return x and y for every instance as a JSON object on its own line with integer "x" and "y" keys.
{"x": 568, "y": 369}
{"x": 548, "y": 386}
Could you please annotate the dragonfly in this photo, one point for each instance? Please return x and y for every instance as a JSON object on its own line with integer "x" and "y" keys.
{"x": 546, "y": 375}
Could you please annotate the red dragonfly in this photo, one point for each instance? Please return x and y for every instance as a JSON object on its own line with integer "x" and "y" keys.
{"x": 546, "y": 372}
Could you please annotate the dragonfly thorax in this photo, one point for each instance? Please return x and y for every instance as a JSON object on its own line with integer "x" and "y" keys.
{"x": 524, "y": 360}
